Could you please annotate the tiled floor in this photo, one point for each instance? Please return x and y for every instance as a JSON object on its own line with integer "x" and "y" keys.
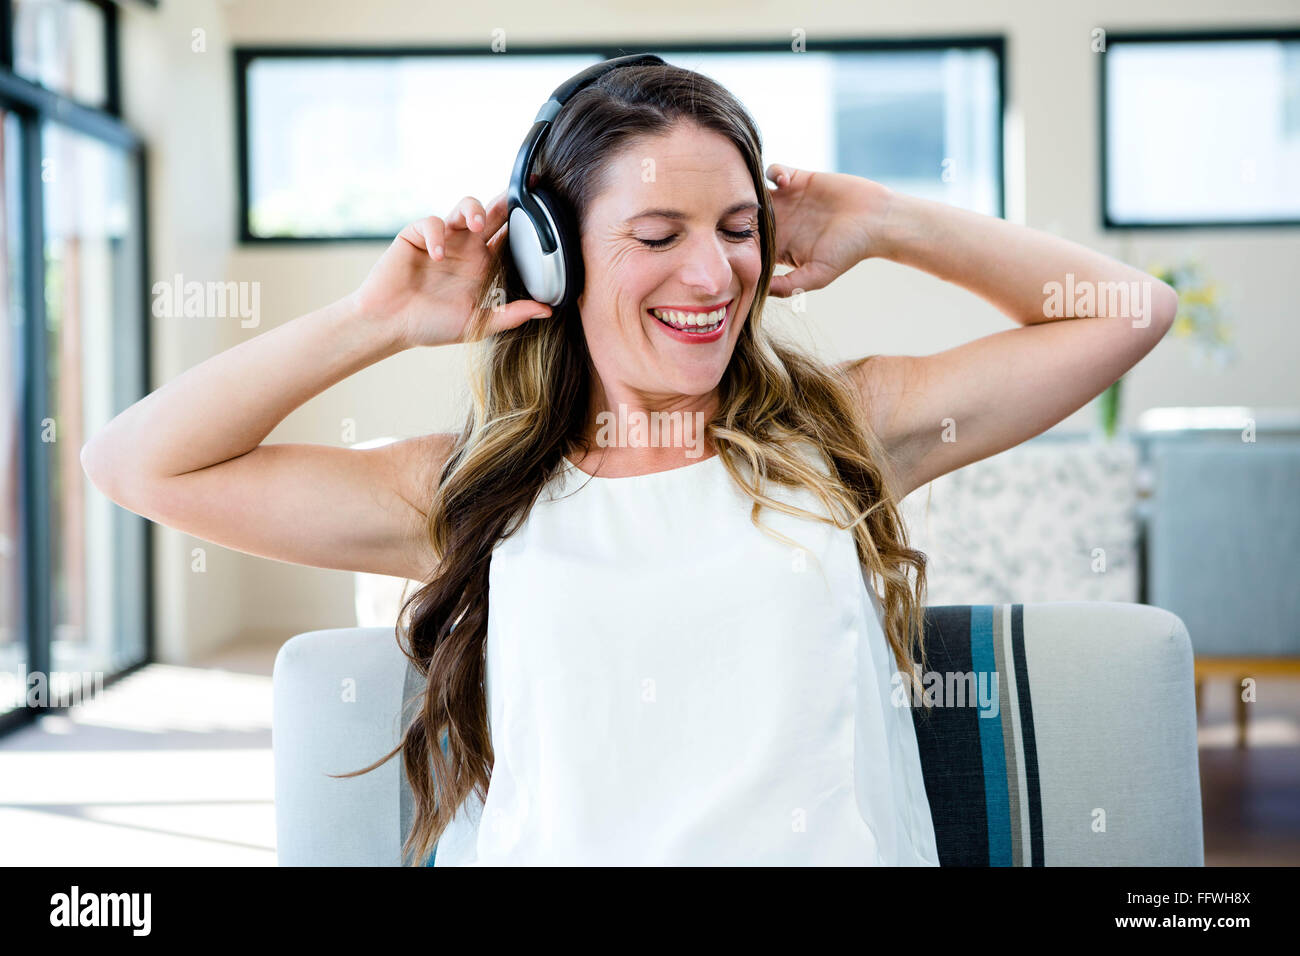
{"x": 172, "y": 766}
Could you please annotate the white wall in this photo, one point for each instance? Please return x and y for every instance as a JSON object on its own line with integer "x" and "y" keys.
{"x": 182, "y": 101}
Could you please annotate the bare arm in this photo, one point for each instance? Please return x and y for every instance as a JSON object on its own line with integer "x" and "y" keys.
{"x": 1084, "y": 320}
{"x": 190, "y": 455}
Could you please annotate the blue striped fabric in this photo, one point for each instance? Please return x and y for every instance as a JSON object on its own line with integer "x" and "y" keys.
{"x": 434, "y": 852}
{"x": 980, "y": 766}
{"x": 405, "y": 822}
{"x": 996, "y": 801}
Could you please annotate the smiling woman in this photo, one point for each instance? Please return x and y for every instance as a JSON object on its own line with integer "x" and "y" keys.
{"x": 539, "y": 695}
{"x": 643, "y": 652}
{"x": 633, "y": 653}
{"x": 673, "y": 260}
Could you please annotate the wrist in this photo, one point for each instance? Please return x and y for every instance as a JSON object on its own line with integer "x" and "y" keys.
{"x": 882, "y": 208}
{"x": 382, "y": 334}
{"x": 912, "y": 228}
{"x": 386, "y": 334}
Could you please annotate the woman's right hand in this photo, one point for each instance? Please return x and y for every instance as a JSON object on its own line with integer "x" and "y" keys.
{"x": 427, "y": 281}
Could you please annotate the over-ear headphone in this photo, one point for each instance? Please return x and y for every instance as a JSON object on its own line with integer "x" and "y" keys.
{"x": 543, "y": 231}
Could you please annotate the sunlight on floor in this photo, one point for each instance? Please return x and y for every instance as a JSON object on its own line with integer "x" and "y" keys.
{"x": 1272, "y": 721}
{"x": 1264, "y": 732}
{"x": 170, "y": 767}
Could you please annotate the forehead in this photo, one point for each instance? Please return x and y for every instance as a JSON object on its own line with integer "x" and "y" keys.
{"x": 696, "y": 171}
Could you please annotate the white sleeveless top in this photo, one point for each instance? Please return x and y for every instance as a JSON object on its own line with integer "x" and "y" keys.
{"x": 669, "y": 685}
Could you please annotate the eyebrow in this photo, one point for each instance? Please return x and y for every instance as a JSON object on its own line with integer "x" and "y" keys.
{"x": 679, "y": 215}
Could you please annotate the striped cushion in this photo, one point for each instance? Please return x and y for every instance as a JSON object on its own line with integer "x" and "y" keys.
{"x": 1088, "y": 758}
{"x": 981, "y": 772}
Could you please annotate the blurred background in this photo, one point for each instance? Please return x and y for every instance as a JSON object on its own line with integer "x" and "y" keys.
{"x": 181, "y": 176}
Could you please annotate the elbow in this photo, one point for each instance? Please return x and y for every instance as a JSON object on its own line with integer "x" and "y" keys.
{"x": 89, "y": 463}
{"x": 109, "y": 462}
{"x": 95, "y": 466}
{"x": 1164, "y": 306}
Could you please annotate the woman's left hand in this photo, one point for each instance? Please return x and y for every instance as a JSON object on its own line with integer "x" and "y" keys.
{"x": 823, "y": 225}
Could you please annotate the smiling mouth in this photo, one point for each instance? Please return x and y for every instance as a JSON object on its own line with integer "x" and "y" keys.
{"x": 700, "y": 323}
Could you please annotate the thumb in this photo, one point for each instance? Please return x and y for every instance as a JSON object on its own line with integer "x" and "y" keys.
{"x": 808, "y": 277}
{"x": 777, "y": 172}
{"x": 517, "y": 313}
{"x": 783, "y": 286}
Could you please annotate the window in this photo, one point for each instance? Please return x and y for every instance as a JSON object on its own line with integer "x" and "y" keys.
{"x": 353, "y": 144}
{"x": 925, "y": 121}
{"x": 13, "y": 639}
{"x": 63, "y": 45}
{"x": 92, "y": 290}
{"x": 1201, "y": 130}
{"x": 74, "y": 567}
{"x": 344, "y": 146}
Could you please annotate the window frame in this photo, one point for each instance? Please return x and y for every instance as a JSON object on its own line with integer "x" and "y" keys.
{"x": 33, "y": 106}
{"x": 244, "y": 55}
{"x": 1171, "y": 37}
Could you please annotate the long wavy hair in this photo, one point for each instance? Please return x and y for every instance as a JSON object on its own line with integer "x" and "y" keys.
{"x": 530, "y": 389}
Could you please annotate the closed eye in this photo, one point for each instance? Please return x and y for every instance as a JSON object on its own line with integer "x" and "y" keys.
{"x": 736, "y": 236}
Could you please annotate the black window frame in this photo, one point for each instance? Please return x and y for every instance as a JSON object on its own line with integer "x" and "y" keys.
{"x": 33, "y": 106}
{"x": 1288, "y": 33}
{"x": 244, "y": 55}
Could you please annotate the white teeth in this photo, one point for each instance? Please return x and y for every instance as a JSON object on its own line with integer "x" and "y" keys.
{"x": 691, "y": 320}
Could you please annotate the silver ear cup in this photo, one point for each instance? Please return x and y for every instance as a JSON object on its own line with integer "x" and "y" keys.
{"x": 542, "y": 272}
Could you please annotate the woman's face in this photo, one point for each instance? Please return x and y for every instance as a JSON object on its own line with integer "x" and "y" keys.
{"x": 689, "y": 193}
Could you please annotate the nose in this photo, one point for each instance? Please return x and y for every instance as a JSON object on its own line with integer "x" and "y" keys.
{"x": 706, "y": 269}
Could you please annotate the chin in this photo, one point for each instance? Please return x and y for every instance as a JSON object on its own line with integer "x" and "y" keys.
{"x": 699, "y": 382}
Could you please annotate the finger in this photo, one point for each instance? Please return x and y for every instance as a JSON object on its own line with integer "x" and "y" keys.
{"x": 468, "y": 214}
{"x": 427, "y": 235}
{"x": 477, "y": 215}
{"x": 516, "y": 314}
{"x": 496, "y": 214}
{"x": 787, "y": 284}
{"x": 435, "y": 235}
{"x": 779, "y": 174}
{"x": 784, "y": 286}
{"x": 498, "y": 237}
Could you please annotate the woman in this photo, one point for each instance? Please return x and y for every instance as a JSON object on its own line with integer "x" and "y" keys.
{"x": 662, "y": 673}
